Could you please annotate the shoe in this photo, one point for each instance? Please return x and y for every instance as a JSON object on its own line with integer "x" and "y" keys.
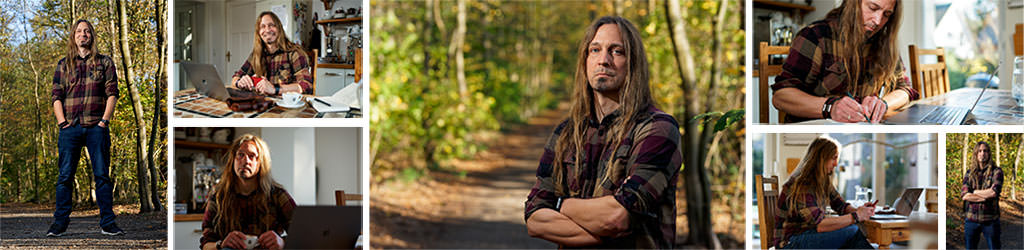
{"x": 112, "y": 229}
{"x": 56, "y": 230}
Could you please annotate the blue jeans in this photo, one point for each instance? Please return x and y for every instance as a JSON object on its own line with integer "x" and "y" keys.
{"x": 69, "y": 145}
{"x": 989, "y": 229}
{"x": 848, "y": 237}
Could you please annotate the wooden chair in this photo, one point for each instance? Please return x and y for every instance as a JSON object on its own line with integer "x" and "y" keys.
{"x": 765, "y": 70}
{"x": 314, "y": 58}
{"x": 340, "y": 198}
{"x": 929, "y": 79}
{"x": 767, "y": 207}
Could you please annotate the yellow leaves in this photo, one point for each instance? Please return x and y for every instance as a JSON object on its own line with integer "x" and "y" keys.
{"x": 651, "y": 28}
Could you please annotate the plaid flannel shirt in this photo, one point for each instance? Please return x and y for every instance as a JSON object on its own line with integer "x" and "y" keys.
{"x": 987, "y": 210}
{"x": 283, "y": 67}
{"x": 812, "y": 68}
{"x": 84, "y": 92}
{"x": 253, "y": 220}
{"x": 804, "y": 216}
{"x": 650, "y": 160}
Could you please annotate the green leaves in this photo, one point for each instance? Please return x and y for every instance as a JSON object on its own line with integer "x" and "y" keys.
{"x": 723, "y": 121}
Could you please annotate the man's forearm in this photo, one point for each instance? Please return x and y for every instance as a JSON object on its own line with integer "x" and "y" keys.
{"x": 108, "y": 112}
{"x": 973, "y": 197}
{"x": 58, "y": 111}
{"x": 602, "y": 216}
{"x": 553, "y": 226}
{"x": 985, "y": 193}
{"x": 896, "y": 99}
{"x": 829, "y": 224}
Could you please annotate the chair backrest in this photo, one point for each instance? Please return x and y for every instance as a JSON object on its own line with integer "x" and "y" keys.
{"x": 1018, "y": 40}
{"x": 314, "y": 58}
{"x": 340, "y": 198}
{"x": 765, "y": 70}
{"x": 929, "y": 79}
{"x": 767, "y": 207}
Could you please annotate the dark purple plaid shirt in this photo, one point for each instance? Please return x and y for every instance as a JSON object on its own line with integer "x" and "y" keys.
{"x": 812, "y": 68}
{"x": 804, "y": 216}
{"x": 650, "y": 160}
{"x": 84, "y": 92}
{"x": 987, "y": 210}
{"x": 283, "y": 67}
{"x": 280, "y": 204}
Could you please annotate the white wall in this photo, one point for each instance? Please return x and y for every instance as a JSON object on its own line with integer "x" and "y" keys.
{"x": 337, "y": 162}
{"x": 293, "y": 160}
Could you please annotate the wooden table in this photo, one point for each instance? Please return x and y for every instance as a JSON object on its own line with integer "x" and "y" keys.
{"x": 885, "y": 232}
{"x": 995, "y": 107}
{"x": 191, "y": 104}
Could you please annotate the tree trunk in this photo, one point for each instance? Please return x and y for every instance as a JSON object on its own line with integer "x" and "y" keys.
{"x": 37, "y": 144}
{"x": 458, "y": 41}
{"x": 142, "y": 170}
{"x": 694, "y": 141}
{"x": 1016, "y": 166}
{"x": 160, "y": 86}
{"x": 963, "y": 155}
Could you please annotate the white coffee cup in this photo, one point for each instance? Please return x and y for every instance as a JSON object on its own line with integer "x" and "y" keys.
{"x": 291, "y": 98}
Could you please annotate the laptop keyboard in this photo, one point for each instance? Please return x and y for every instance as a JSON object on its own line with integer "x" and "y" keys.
{"x": 941, "y": 115}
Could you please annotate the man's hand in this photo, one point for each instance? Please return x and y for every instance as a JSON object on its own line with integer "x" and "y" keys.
{"x": 874, "y": 107}
{"x": 265, "y": 86}
{"x": 865, "y": 212}
{"x": 234, "y": 239}
{"x": 270, "y": 240}
{"x": 602, "y": 216}
{"x": 847, "y": 110}
{"x": 245, "y": 82}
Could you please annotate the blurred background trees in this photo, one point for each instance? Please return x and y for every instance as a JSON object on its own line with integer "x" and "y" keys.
{"x": 449, "y": 77}
{"x": 33, "y": 37}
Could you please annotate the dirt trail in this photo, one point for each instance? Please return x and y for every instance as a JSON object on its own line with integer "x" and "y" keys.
{"x": 483, "y": 209}
{"x": 1011, "y": 223}
{"x": 24, "y": 226}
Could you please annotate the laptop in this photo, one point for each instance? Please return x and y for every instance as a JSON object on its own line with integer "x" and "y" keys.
{"x": 324, "y": 227}
{"x": 941, "y": 115}
{"x": 207, "y": 82}
{"x": 903, "y": 206}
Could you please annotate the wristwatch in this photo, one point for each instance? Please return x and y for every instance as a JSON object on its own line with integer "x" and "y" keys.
{"x": 105, "y": 122}
{"x": 277, "y": 90}
{"x": 61, "y": 124}
{"x": 558, "y": 205}
{"x": 855, "y": 219}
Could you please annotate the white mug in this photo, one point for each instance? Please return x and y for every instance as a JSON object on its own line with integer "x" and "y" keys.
{"x": 251, "y": 242}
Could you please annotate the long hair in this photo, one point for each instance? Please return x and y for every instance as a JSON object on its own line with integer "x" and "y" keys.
{"x": 634, "y": 98}
{"x": 877, "y": 55}
{"x": 72, "y": 49}
{"x": 810, "y": 176}
{"x": 980, "y": 170}
{"x": 228, "y": 213}
{"x": 258, "y": 45}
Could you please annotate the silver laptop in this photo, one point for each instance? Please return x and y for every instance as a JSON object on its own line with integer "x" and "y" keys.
{"x": 941, "y": 115}
{"x": 207, "y": 82}
{"x": 904, "y": 205}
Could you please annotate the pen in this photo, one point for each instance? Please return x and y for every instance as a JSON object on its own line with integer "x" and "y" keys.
{"x": 862, "y": 111}
{"x": 325, "y": 103}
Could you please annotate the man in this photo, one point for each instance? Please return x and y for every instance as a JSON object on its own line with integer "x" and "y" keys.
{"x": 802, "y": 222}
{"x": 84, "y": 95}
{"x": 981, "y": 187}
{"x": 247, "y": 202}
{"x": 607, "y": 176}
{"x": 846, "y": 67}
{"x": 276, "y": 65}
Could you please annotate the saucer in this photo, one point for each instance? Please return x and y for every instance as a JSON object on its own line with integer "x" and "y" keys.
{"x": 290, "y": 106}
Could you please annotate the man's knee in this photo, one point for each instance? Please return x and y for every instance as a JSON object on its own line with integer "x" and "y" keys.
{"x": 849, "y": 231}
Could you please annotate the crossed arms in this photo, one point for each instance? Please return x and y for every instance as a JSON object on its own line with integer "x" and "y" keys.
{"x": 980, "y": 195}
{"x": 581, "y": 222}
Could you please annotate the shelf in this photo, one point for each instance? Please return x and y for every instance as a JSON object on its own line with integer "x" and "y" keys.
{"x": 769, "y": 4}
{"x": 188, "y": 217}
{"x": 200, "y": 145}
{"x": 336, "y": 65}
{"x": 341, "y": 20}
